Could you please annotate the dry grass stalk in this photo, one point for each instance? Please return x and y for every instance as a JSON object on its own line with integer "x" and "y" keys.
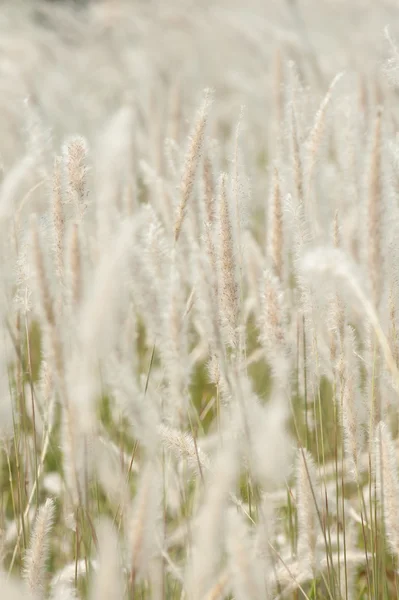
{"x": 276, "y": 226}
{"x": 191, "y": 163}
{"x": 297, "y": 158}
{"x": 337, "y": 308}
{"x": 75, "y": 156}
{"x": 76, "y": 266}
{"x": 37, "y": 554}
{"x": 58, "y": 219}
{"x": 313, "y": 146}
{"x": 209, "y": 191}
{"x": 228, "y": 284}
{"x": 273, "y": 326}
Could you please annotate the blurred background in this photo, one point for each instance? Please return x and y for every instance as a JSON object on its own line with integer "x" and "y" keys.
{"x": 69, "y": 65}
{"x": 77, "y": 59}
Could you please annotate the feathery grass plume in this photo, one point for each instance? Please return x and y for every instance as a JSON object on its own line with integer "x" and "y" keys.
{"x": 336, "y": 322}
{"x": 191, "y": 163}
{"x": 215, "y": 372}
{"x": 332, "y": 262}
{"x": 184, "y": 448}
{"x": 160, "y": 195}
{"x": 44, "y": 399}
{"x": 354, "y": 413}
{"x": 204, "y": 560}
{"x": 58, "y": 219}
{"x": 75, "y": 267}
{"x": 254, "y": 265}
{"x": 209, "y": 190}
{"x": 336, "y": 309}
{"x": 210, "y": 219}
{"x": 300, "y": 231}
{"x": 391, "y": 295}
{"x": 37, "y": 555}
{"x": 307, "y": 490}
{"x": 387, "y": 484}
{"x": 275, "y": 237}
{"x": 211, "y": 252}
{"x": 374, "y": 216}
{"x": 376, "y": 400}
{"x": 229, "y": 296}
{"x": 313, "y": 145}
{"x": 245, "y": 568}
{"x": 274, "y": 327}
{"x": 45, "y": 294}
{"x": 239, "y": 194}
{"x": 75, "y": 159}
{"x": 143, "y": 522}
{"x": 108, "y": 581}
{"x": 157, "y": 249}
{"x": 149, "y": 267}
{"x": 297, "y": 158}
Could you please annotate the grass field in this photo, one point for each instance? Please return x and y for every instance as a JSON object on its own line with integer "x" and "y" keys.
{"x": 199, "y": 359}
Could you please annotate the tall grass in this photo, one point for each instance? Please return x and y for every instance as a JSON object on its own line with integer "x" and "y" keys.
{"x": 199, "y": 350}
